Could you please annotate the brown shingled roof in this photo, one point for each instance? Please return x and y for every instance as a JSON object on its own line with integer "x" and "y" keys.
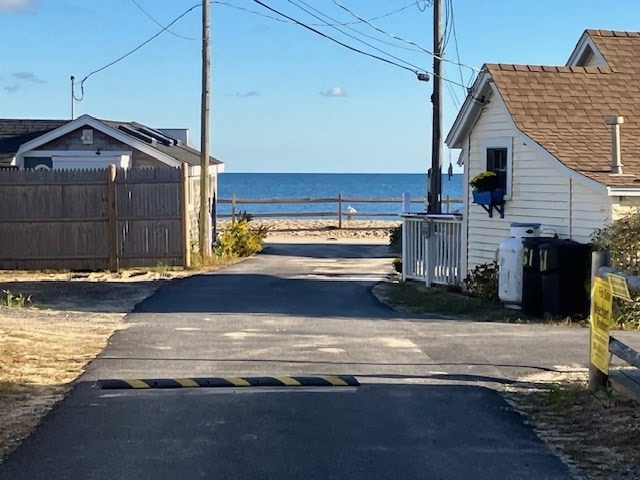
{"x": 563, "y": 108}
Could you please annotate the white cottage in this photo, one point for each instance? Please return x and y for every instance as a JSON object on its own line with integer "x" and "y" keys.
{"x": 545, "y": 131}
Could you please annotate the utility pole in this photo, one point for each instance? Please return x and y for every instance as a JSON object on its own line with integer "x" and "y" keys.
{"x": 205, "y": 217}
{"x": 72, "y": 94}
{"x": 435, "y": 184}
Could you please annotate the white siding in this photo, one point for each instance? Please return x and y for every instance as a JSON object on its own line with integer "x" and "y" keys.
{"x": 541, "y": 192}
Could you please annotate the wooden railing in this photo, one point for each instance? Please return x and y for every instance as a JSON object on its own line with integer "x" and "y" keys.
{"x": 339, "y": 212}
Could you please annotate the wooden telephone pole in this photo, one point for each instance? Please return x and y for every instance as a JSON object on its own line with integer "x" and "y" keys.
{"x": 204, "y": 230}
{"x": 435, "y": 182}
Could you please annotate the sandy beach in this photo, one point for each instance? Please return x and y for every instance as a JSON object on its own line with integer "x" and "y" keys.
{"x": 324, "y": 230}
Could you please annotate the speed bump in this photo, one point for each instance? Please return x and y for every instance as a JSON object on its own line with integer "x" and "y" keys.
{"x": 219, "y": 382}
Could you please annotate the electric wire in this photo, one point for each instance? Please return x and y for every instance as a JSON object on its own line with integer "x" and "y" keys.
{"x": 456, "y": 44}
{"x": 346, "y": 25}
{"x": 349, "y": 47}
{"x": 130, "y": 52}
{"x": 158, "y": 23}
{"x": 349, "y": 35}
{"x": 427, "y": 4}
{"x": 339, "y": 24}
{"x": 350, "y": 12}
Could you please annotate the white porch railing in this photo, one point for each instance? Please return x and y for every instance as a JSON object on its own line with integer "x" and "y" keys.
{"x": 432, "y": 248}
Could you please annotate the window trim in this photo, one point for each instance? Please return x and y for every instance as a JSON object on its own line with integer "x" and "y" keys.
{"x": 500, "y": 142}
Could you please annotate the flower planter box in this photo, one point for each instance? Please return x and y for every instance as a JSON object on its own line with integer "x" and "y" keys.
{"x": 490, "y": 200}
{"x": 494, "y": 197}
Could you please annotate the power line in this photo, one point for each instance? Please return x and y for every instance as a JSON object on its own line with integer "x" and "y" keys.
{"x": 119, "y": 59}
{"x": 338, "y": 24}
{"x": 347, "y": 34}
{"x": 455, "y": 42}
{"x": 158, "y": 23}
{"x": 350, "y": 12}
{"x": 346, "y": 25}
{"x": 349, "y": 47}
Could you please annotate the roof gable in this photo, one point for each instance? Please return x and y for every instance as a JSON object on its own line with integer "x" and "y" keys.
{"x": 562, "y": 108}
{"x": 18, "y": 136}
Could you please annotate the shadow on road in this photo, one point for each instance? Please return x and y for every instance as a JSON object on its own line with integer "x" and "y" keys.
{"x": 317, "y": 295}
{"x": 324, "y": 250}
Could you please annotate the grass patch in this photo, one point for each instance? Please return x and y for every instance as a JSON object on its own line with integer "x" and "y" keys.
{"x": 597, "y": 432}
{"x": 417, "y": 298}
{"x": 8, "y": 299}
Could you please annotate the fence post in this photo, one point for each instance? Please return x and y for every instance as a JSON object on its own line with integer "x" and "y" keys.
{"x": 339, "y": 210}
{"x": 406, "y": 255}
{"x": 184, "y": 211}
{"x": 597, "y": 379}
{"x": 233, "y": 209}
{"x": 406, "y": 202}
{"x": 448, "y": 202}
{"x": 113, "y": 220}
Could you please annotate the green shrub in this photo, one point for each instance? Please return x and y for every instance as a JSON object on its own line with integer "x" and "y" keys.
{"x": 240, "y": 240}
{"x": 482, "y": 281}
{"x": 621, "y": 239}
{"x": 14, "y": 301}
{"x": 395, "y": 239}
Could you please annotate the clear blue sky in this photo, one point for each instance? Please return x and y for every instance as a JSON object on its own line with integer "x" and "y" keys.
{"x": 283, "y": 98}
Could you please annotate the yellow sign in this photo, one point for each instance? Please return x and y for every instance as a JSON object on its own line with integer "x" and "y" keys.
{"x": 601, "y": 300}
{"x": 619, "y": 287}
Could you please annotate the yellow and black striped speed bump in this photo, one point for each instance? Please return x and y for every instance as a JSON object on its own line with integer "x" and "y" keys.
{"x": 316, "y": 381}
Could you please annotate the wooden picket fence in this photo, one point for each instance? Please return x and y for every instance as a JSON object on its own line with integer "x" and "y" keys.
{"x": 94, "y": 219}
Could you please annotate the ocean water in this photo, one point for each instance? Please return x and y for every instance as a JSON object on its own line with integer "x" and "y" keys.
{"x": 329, "y": 185}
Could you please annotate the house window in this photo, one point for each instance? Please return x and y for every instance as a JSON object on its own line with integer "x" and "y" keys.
{"x": 498, "y": 157}
{"x": 497, "y": 162}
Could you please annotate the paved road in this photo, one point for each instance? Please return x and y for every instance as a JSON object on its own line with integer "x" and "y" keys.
{"x": 428, "y": 406}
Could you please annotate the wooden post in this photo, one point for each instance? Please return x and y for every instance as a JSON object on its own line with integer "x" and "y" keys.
{"x": 597, "y": 379}
{"x": 113, "y": 220}
{"x": 184, "y": 213}
{"x": 448, "y": 203}
{"x": 204, "y": 231}
{"x": 340, "y": 210}
{"x": 233, "y": 209}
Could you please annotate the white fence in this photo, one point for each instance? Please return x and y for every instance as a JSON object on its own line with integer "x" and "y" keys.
{"x": 432, "y": 248}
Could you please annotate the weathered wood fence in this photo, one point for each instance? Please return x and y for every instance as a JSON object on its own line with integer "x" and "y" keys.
{"x": 600, "y": 269}
{"x": 94, "y": 219}
{"x": 339, "y": 212}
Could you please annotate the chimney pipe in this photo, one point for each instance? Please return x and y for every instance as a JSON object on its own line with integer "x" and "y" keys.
{"x": 616, "y": 162}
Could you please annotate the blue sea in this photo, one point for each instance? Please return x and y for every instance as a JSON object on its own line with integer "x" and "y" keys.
{"x": 329, "y": 185}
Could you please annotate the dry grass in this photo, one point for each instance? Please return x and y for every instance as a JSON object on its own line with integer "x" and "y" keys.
{"x": 598, "y": 434}
{"x": 44, "y": 350}
{"x": 41, "y": 354}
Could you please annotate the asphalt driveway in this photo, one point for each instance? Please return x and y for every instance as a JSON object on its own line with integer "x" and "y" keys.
{"x": 428, "y": 405}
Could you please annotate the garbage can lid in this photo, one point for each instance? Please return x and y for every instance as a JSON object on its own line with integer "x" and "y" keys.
{"x": 525, "y": 225}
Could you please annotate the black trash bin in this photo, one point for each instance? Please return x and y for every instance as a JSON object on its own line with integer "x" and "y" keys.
{"x": 564, "y": 266}
{"x": 531, "y": 277}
